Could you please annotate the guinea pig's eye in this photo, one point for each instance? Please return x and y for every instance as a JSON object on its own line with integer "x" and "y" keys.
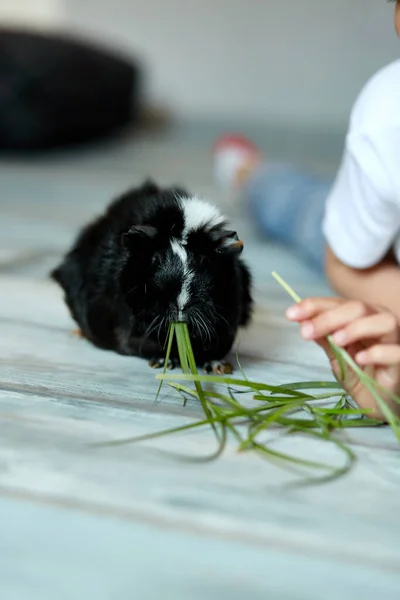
{"x": 156, "y": 260}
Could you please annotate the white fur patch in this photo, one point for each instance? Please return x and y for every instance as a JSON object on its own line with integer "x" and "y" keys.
{"x": 184, "y": 294}
{"x": 198, "y": 213}
{"x": 179, "y": 250}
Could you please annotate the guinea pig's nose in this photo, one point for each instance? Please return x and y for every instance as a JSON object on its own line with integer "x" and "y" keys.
{"x": 176, "y": 314}
{"x": 173, "y": 313}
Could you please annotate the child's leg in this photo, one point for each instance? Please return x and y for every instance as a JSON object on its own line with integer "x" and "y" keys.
{"x": 288, "y": 206}
{"x": 286, "y": 203}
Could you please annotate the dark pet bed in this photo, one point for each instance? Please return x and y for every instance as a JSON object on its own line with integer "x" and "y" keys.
{"x": 56, "y": 91}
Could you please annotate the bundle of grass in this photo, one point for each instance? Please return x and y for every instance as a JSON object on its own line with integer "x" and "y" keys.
{"x": 295, "y": 407}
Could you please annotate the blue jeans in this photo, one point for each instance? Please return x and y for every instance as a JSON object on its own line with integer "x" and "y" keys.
{"x": 288, "y": 205}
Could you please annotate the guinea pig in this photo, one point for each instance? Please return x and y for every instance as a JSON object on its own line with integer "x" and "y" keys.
{"x": 158, "y": 256}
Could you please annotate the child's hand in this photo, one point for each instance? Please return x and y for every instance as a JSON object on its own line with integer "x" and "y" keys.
{"x": 370, "y": 334}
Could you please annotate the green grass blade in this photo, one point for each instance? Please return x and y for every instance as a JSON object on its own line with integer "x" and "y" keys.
{"x": 239, "y": 363}
{"x": 313, "y": 385}
{"x": 300, "y": 462}
{"x": 336, "y": 473}
{"x": 371, "y": 385}
{"x": 170, "y": 338}
{"x": 286, "y": 287}
{"x": 208, "y": 458}
{"x": 189, "y": 367}
{"x": 359, "y": 423}
{"x": 272, "y": 417}
{"x": 149, "y": 436}
{"x": 193, "y": 368}
{"x": 232, "y": 403}
{"x": 231, "y": 381}
{"x": 182, "y": 348}
{"x": 317, "y": 397}
{"x": 359, "y": 412}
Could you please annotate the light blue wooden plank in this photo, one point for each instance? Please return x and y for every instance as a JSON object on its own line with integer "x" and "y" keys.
{"x": 44, "y": 453}
{"x": 49, "y": 553}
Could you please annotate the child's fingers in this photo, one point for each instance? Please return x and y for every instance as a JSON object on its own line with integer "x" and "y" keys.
{"x": 381, "y": 325}
{"x": 330, "y": 321}
{"x": 381, "y": 354}
{"x": 306, "y": 309}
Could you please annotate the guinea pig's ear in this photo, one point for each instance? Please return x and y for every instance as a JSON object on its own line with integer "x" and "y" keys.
{"x": 139, "y": 233}
{"x": 228, "y": 242}
{"x": 150, "y": 187}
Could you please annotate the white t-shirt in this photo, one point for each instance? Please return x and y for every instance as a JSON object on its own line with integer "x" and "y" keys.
{"x": 362, "y": 216}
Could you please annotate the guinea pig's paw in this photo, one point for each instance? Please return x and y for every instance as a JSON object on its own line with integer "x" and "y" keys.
{"x": 219, "y": 367}
{"x": 77, "y": 333}
{"x": 158, "y": 363}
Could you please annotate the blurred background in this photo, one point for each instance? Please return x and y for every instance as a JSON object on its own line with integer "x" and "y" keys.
{"x": 301, "y": 61}
{"x": 284, "y": 73}
{"x": 295, "y": 63}
{"x": 261, "y": 59}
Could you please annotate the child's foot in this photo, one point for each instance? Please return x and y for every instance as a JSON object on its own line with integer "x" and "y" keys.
{"x": 235, "y": 159}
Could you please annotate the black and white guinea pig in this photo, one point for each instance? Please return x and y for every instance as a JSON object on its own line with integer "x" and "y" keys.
{"x": 157, "y": 256}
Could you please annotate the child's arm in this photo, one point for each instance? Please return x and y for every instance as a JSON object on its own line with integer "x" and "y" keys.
{"x": 362, "y": 222}
{"x": 377, "y": 285}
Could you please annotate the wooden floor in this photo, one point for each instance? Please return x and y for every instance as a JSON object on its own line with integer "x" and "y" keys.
{"x": 134, "y": 522}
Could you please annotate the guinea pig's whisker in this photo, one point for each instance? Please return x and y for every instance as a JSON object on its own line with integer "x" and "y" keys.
{"x": 207, "y": 314}
{"x": 220, "y": 317}
{"x": 195, "y": 324}
{"x": 160, "y": 328}
{"x": 210, "y": 328}
{"x": 207, "y": 328}
{"x": 152, "y": 327}
{"x": 212, "y": 333}
{"x": 203, "y": 326}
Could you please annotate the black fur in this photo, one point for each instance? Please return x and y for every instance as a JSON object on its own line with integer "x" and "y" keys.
{"x": 121, "y": 278}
